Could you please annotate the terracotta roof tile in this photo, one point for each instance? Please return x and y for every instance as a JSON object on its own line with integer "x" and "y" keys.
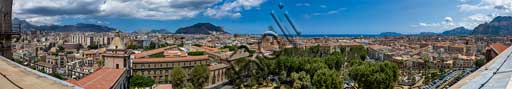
{"x": 150, "y": 52}
{"x": 104, "y": 78}
{"x": 73, "y": 81}
{"x": 498, "y": 47}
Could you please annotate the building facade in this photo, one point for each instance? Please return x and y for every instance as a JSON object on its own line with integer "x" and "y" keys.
{"x": 160, "y": 68}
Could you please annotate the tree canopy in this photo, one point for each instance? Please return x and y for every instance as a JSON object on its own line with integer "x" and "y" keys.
{"x": 374, "y": 75}
{"x": 327, "y": 79}
{"x": 141, "y": 81}
{"x": 196, "y": 53}
{"x": 479, "y": 63}
{"x": 316, "y": 67}
{"x": 200, "y": 75}
{"x": 300, "y": 80}
{"x": 178, "y": 77}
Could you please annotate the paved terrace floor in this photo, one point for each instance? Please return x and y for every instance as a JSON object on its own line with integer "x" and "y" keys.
{"x": 15, "y": 76}
{"x": 496, "y": 74}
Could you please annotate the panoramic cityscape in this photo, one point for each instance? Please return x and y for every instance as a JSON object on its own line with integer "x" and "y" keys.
{"x": 255, "y": 44}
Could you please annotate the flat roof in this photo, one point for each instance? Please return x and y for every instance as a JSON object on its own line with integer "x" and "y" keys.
{"x": 163, "y": 86}
{"x": 14, "y": 75}
{"x": 496, "y": 74}
{"x": 101, "y": 79}
{"x": 170, "y": 59}
{"x": 150, "y": 52}
{"x": 217, "y": 66}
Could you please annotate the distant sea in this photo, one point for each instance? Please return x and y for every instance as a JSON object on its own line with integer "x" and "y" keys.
{"x": 339, "y": 35}
{"x": 330, "y": 35}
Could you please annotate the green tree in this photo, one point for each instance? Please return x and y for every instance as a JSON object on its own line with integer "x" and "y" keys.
{"x": 314, "y": 67}
{"x": 357, "y": 53}
{"x": 180, "y": 45}
{"x": 327, "y": 79}
{"x": 334, "y": 61}
{"x": 100, "y": 63}
{"x": 479, "y": 63}
{"x": 164, "y": 45}
{"x": 300, "y": 80}
{"x": 196, "y": 53}
{"x": 141, "y": 81}
{"x": 200, "y": 75}
{"x": 131, "y": 46}
{"x": 178, "y": 77}
{"x": 152, "y": 45}
{"x": 190, "y": 86}
{"x": 92, "y": 46}
{"x": 56, "y": 75}
{"x": 197, "y": 45}
{"x": 230, "y": 48}
{"x": 378, "y": 75}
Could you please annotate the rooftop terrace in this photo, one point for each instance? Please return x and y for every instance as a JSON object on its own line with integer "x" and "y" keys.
{"x": 496, "y": 74}
{"x": 15, "y": 76}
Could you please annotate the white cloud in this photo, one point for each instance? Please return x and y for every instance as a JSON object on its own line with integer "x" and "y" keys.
{"x": 233, "y": 8}
{"x": 43, "y": 20}
{"x": 138, "y": 9}
{"x": 485, "y": 11}
{"x": 323, "y": 6}
{"x": 448, "y": 19}
{"x": 505, "y": 5}
{"x": 154, "y": 9}
{"x": 336, "y": 11}
{"x": 480, "y": 17}
{"x": 475, "y": 13}
{"x": 448, "y": 23}
{"x": 469, "y": 7}
{"x": 303, "y": 4}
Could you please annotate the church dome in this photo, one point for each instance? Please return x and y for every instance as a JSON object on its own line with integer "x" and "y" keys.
{"x": 117, "y": 43}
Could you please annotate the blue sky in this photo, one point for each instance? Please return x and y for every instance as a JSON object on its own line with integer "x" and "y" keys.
{"x": 252, "y": 16}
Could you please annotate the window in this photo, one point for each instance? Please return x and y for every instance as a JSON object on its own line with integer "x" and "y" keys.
{"x": 117, "y": 66}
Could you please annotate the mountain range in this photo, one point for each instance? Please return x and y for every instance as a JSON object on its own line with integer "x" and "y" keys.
{"x": 501, "y": 25}
{"x": 201, "y": 28}
{"x": 79, "y": 27}
{"x": 390, "y": 34}
{"x": 458, "y": 31}
{"x": 453, "y": 32}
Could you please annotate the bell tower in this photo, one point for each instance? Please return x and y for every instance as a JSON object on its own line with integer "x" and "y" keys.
{"x": 116, "y": 56}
